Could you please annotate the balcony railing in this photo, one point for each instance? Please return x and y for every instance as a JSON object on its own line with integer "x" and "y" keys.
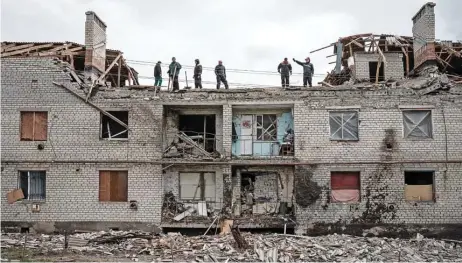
{"x": 252, "y": 146}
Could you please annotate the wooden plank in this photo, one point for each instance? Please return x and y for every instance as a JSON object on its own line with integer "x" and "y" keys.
{"x": 6, "y": 46}
{"x": 331, "y": 55}
{"x": 25, "y": 50}
{"x": 381, "y": 54}
{"x": 378, "y": 70}
{"x": 407, "y": 60}
{"x": 109, "y": 68}
{"x": 327, "y": 84}
{"x": 322, "y": 48}
{"x": 93, "y": 105}
{"x": 119, "y": 72}
{"x": 77, "y": 79}
{"x": 13, "y": 48}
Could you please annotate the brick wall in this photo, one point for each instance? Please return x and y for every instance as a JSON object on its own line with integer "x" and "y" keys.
{"x": 423, "y": 31}
{"x": 393, "y": 68}
{"x": 74, "y": 153}
{"x": 74, "y": 138}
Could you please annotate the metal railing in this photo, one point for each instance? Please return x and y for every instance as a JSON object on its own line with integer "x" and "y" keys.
{"x": 270, "y": 146}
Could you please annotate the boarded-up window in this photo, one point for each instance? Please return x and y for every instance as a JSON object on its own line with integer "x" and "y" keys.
{"x": 345, "y": 187}
{"x": 33, "y": 184}
{"x": 197, "y": 186}
{"x": 110, "y": 129}
{"x": 418, "y": 124}
{"x": 34, "y": 125}
{"x": 418, "y": 186}
{"x": 267, "y": 126}
{"x": 113, "y": 186}
{"x": 343, "y": 125}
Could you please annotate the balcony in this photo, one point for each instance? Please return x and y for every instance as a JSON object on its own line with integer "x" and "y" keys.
{"x": 192, "y": 144}
{"x": 251, "y": 146}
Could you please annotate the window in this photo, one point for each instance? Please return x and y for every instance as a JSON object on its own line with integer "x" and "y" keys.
{"x": 418, "y": 186}
{"x": 113, "y": 186}
{"x": 197, "y": 186}
{"x": 343, "y": 125}
{"x": 417, "y": 124}
{"x": 345, "y": 187}
{"x": 373, "y": 71}
{"x": 34, "y": 125}
{"x": 113, "y": 130}
{"x": 33, "y": 184}
{"x": 266, "y": 127}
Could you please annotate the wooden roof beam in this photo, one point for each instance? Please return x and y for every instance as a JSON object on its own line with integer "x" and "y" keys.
{"x": 13, "y": 48}
{"x": 26, "y": 50}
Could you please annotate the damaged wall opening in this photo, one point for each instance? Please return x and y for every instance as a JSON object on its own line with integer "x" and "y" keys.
{"x": 199, "y": 128}
{"x": 419, "y": 185}
{"x": 113, "y": 130}
{"x": 373, "y": 71}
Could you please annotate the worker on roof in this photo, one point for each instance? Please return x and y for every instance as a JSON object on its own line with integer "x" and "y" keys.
{"x": 173, "y": 72}
{"x": 308, "y": 70}
{"x": 158, "y": 75}
{"x": 220, "y": 72}
{"x": 197, "y": 74}
{"x": 285, "y": 69}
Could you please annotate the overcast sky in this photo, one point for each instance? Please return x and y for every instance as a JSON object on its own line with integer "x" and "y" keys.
{"x": 245, "y": 34}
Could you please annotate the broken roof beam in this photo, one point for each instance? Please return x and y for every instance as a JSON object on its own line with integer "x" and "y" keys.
{"x": 26, "y": 50}
{"x": 13, "y": 48}
{"x": 93, "y": 105}
{"x": 109, "y": 68}
{"x": 322, "y": 48}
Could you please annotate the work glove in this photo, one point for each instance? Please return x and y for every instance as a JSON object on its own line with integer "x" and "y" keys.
{"x": 293, "y": 59}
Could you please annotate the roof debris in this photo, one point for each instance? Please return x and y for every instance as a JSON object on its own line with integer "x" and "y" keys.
{"x": 120, "y": 245}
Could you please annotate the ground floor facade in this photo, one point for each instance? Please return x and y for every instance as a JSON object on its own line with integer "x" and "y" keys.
{"x": 101, "y": 196}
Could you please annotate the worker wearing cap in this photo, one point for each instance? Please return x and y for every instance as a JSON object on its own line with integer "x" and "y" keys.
{"x": 308, "y": 70}
{"x": 158, "y": 75}
{"x": 285, "y": 69}
{"x": 220, "y": 72}
{"x": 198, "y": 74}
{"x": 173, "y": 72}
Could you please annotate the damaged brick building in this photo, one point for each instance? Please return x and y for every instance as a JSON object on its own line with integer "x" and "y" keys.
{"x": 89, "y": 152}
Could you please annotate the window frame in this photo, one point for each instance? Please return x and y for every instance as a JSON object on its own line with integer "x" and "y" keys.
{"x": 431, "y": 137}
{"x": 101, "y": 126}
{"x": 358, "y": 172}
{"x": 201, "y": 174}
{"x": 21, "y": 112}
{"x": 355, "y": 112}
{"x": 110, "y": 171}
{"x": 262, "y": 128}
{"x": 433, "y": 185}
{"x": 28, "y": 184}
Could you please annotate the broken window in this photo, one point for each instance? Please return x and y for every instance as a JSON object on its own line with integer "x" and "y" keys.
{"x": 34, "y": 125}
{"x": 373, "y": 71}
{"x": 343, "y": 125}
{"x": 197, "y": 186}
{"x": 113, "y": 186}
{"x": 418, "y": 124}
{"x": 111, "y": 129}
{"x": 266, "y": 126}
{"x": 418, "y": 185}
{"x": 200, "y": 129}
{"x": 345, "y": 187}
{"x": 33, "y": 184}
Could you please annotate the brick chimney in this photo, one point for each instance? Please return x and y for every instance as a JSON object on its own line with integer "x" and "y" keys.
{"x": 95, "y": 45}
{"x": 423, "y": 31}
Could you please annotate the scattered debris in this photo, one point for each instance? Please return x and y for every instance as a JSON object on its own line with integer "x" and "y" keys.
{"x": 139, "y": 246}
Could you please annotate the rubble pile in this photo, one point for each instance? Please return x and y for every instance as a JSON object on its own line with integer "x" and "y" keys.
{"x": 136, "y": 246}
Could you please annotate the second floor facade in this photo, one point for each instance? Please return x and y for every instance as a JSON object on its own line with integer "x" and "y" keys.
{"x": 46, "y": 122}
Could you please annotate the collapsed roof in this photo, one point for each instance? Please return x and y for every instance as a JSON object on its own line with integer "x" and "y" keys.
{"x": 74, "y": 54}
{"x": 448, "y": 54}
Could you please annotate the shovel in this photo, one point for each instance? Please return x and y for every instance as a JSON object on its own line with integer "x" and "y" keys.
{"x": 186, "y": 76}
